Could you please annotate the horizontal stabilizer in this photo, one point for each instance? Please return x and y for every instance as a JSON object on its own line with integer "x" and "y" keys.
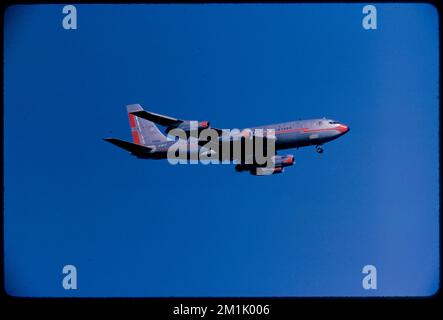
{"x": 157, "y": 118}
{"x": 129, "y": 146}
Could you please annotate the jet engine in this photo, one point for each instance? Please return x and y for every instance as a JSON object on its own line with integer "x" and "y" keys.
{"x": 263, "y": 171}
{"x": 279, "y": 162}
{"x": 186, "y": 126}
{"x": 284, "y": 161}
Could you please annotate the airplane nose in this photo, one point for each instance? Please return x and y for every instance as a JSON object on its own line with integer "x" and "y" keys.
{"x": 343, "y": 128}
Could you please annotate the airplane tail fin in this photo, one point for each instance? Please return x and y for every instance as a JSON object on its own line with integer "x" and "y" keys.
{"x": 144, "y": 132}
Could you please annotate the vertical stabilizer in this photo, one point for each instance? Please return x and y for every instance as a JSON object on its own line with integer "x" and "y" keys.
{"x": 144, "y": 132}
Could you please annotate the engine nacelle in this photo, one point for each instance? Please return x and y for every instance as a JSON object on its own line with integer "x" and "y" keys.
{"x": 279, "y": 162}
{"x": 186, "y": 126}
{"x": 284, "y": 161}
{"x": 263, "y": 171}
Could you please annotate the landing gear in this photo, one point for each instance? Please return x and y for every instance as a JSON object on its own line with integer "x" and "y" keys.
{"x": 319, "y": 149}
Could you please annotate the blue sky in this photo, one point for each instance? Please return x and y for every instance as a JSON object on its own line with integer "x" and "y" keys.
{"x": 146, "y": 228}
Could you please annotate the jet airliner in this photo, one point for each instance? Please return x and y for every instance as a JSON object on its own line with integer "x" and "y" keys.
{"x": 150, "y": 143}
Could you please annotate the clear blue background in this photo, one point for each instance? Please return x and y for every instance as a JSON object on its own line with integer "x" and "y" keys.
{"x": 145, "y": 228}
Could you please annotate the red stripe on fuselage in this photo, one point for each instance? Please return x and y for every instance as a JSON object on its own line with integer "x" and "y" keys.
{"x": 306, "y": 130}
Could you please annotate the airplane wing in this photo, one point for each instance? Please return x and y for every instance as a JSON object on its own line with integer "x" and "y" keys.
{"x": 157, "y": 118}
{"x": 165, "y": 120}
{"x": 129, "y": 146}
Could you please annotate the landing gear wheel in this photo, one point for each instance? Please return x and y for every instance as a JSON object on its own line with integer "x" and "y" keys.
{"x": 319, "y": 149}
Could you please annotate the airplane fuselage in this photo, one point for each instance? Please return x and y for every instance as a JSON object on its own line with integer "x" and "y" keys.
{"x": 289, "y": 135}
{"x": 302, "y": 133}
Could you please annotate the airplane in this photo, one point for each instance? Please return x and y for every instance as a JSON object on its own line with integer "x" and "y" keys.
{"x": 150, "y": 143}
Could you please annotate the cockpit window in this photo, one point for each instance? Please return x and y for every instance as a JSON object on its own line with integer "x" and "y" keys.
{"x": 334, "y": 122}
